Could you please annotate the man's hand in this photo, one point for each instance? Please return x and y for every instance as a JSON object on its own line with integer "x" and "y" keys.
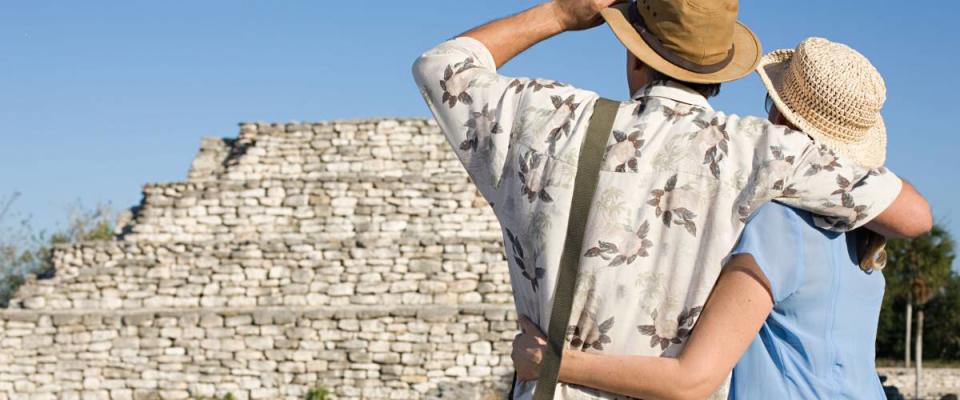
{"x": 528, "y": 348}
{"x": 575, "y": 15}
{"x": 510, "y": 36}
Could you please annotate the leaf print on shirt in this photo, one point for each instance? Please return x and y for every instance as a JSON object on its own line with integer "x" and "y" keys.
{"x": 455, "y": 90}
{"x": 681, "y": 110}
{"x": 848, "y": 208}
{"x": 681, "y": 216}
{"x": 653, "y": 287}
{"x": 673, "y": 151}
{"x": 480, "y": 126}
{"x": 533, "y": 176}
{"x": 540, "y": 222}
{"x": 517, "y": 86}
{"x": 562, "y": 120}
{"x": 610, "y": 208}
{"x": 665, "y": 332}
{"x": 519, "y": 257}
{"x": 625, "y": 153}
{"x": 780, "y": 185}
{"x": 713, "y": 136}
{"x": 538, "y": 84}
{"x": 635, "y": 245}
{"x": 827, "y": 161}
{"x": 768, "y": 182}
{"x": 591, "y": 336}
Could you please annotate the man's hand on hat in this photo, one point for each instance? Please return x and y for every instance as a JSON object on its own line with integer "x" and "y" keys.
{"x": 575, "y": 15}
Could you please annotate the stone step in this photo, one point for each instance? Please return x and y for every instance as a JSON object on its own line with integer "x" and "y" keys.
{"x": 370, "y": 352}
{"x": 403, "y": 270}
{"x": 281, "y": 150}
{"x": 295, "y": 209}
{"x": 211, "y": 160}
{"x": 333, "y": 179}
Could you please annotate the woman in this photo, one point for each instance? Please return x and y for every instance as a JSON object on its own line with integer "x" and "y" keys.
{"x": 796, "y": 304}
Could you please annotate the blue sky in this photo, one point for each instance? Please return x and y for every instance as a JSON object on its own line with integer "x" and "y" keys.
{"x": 98, "y": 98}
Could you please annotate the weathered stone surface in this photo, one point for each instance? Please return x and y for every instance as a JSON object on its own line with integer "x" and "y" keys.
{"x": 350, "y": 254}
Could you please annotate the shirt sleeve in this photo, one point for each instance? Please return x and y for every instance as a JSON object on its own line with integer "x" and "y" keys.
{"x": 773, "y": 238}
{"x": 482, "y": 114}
{"x": 842, "y": 194}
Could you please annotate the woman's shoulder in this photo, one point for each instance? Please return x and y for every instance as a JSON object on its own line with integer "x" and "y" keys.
{"x": 775, "y": 214}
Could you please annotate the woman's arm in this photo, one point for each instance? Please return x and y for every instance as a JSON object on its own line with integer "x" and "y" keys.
{"x": 732, "y": 316}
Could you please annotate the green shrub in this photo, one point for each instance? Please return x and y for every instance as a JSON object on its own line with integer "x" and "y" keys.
{"x": 25, "y": 250}
{"x": 318, "y": 393}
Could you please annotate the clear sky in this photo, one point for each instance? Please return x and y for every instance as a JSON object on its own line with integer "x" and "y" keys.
{"x": 98, "y": 98}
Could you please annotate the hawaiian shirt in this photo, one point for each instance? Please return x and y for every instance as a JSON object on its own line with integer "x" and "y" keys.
{"x": 677, "y": 182}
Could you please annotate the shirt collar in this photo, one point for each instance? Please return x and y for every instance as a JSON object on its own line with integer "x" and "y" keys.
{"x": 674, "y": 91}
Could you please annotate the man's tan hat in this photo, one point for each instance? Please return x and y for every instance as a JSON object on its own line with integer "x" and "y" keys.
{"x": 697, "y": 41}
{"x": 832, "y": 93}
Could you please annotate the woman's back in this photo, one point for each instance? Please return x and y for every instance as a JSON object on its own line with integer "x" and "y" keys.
{"x": 818, "y": 341}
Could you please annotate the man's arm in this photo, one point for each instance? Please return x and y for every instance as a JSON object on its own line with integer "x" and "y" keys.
{"x": 481, "y": 112}
{"x": 738, "y": 306}
{"x": 510, "y": 36}
{"x": 908, "y": 216}
{"x": 843, "y": 194}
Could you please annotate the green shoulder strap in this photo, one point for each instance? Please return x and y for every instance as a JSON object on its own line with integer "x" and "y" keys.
{"x": 584, "y": 184}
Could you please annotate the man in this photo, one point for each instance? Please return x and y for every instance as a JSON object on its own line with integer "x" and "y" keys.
{"x": 678, "y": 179}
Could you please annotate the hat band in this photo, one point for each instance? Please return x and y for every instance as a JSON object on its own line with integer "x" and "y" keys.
{"x": 654, "y": 42}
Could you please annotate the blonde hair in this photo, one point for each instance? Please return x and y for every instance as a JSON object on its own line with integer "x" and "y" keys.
{"x": 871, "y": 247}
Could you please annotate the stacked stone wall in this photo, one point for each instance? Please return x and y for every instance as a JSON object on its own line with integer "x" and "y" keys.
{"x": 398, "y": 352}
{"x": 408, "y": 271}
{"x": 350, "y": 255}
{"x": 935, "y": 383}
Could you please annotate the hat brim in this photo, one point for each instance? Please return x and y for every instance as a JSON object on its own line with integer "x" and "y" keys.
{"x": 871, "y": 152}
{"x": 747, "y": 50}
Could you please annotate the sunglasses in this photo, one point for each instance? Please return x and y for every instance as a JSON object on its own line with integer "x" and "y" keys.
{"x": 768, "y": 104}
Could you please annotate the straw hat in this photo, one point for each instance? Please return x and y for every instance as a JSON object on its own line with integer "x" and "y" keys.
{"x": 697, "y": 41}
{"x": 832, "y": 93}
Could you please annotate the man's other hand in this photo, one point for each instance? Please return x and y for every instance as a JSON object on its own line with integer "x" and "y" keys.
{"x": 575, "y": 15}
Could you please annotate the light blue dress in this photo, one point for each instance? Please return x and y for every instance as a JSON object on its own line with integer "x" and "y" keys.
{"x": 818, "y": 342}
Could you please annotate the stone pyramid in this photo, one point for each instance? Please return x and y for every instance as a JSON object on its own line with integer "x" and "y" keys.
{"x": 350, "y": 255}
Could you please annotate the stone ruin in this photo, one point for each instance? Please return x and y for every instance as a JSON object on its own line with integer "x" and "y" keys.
{"x": 350, "y": 255}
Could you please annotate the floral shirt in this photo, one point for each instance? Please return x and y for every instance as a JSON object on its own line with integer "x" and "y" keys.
{"x": 677, "y": 182}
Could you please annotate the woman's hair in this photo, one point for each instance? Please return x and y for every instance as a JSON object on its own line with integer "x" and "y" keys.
{"x": 871, "y": 248}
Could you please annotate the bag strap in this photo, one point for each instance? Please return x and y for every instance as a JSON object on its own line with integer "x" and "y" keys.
{"x": 584, "y": 185}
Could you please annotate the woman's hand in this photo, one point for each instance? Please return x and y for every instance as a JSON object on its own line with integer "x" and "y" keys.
{"x": 528, "y": 349}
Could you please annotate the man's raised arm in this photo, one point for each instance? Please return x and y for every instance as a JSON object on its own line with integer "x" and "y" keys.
{"x": 510, "y": 36}
{"x": 477, "y": 109}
